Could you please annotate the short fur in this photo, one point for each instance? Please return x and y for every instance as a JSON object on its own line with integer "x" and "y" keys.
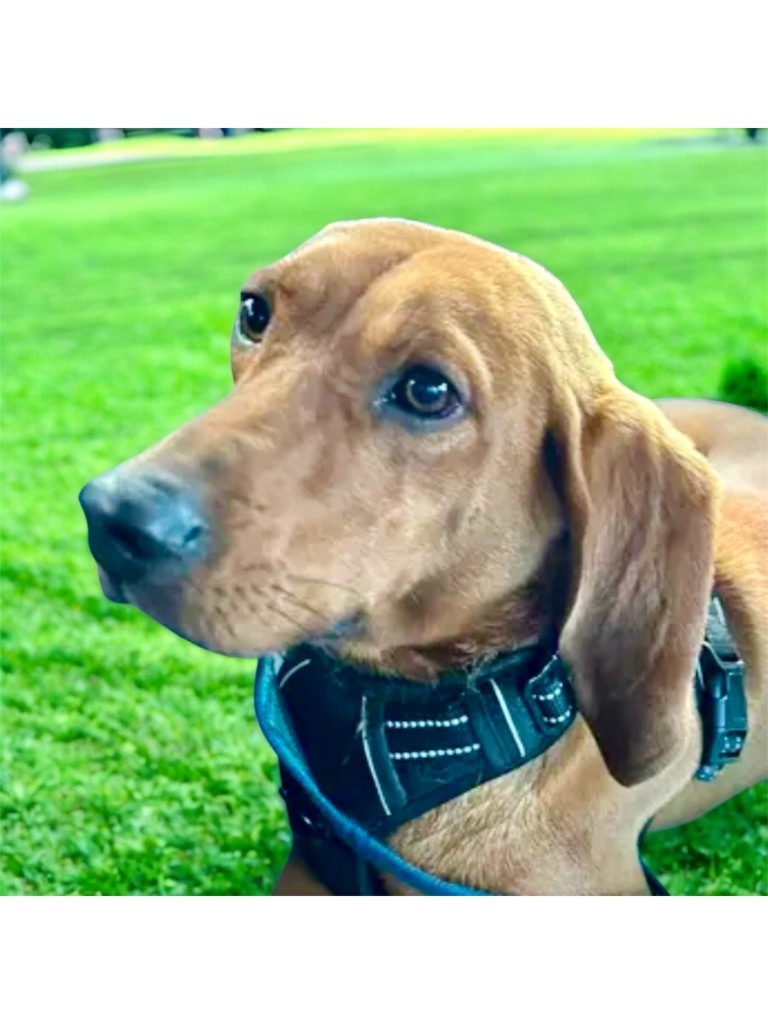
{"x": 562, "y": 499}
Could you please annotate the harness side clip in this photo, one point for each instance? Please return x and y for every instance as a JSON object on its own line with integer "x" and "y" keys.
{"x": 549, "y": 697}
{"x": 723, "y": 709}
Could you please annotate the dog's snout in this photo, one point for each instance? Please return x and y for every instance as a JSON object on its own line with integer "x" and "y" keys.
{"x": 141, "y": 527}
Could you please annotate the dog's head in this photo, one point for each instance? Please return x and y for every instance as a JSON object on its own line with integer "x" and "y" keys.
{"x": 417, "y": 417}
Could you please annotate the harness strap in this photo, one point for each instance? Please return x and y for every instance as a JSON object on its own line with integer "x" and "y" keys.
{"x": 346, "y": 858}
{"x": 346, "y": 871}
{"x": 283, "y": 741}
{"x": 385, "y": 752}
{"x": 382, "y": 753}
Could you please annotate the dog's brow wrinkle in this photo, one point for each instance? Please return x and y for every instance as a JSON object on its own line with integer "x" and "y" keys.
{"x": 336, "y": 294}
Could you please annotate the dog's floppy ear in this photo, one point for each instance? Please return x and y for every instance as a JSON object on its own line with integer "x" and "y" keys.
{"x": 642, "y": 505}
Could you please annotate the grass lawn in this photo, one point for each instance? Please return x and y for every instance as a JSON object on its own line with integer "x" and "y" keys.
{"x": 131, "y": 762}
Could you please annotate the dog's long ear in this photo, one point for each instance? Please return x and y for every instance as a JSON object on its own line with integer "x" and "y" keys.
{"x": 642, "y": 505}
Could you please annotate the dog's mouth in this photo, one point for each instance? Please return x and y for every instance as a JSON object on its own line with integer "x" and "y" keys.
{"x": 159, "y": 547}
{"x": 353, "y": 627}
{"x": 163, "y": 604}
{"x": 112, "y": 587}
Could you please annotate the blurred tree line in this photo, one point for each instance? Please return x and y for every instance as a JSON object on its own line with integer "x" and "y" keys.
{"x": 65, "y": 138}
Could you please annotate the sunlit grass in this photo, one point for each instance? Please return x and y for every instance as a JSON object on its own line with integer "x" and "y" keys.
{"x": 131, "y": 762}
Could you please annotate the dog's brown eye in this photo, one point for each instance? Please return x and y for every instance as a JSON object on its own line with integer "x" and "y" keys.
{"x": 254, "y": 316}
{"x": 425, "y": 393}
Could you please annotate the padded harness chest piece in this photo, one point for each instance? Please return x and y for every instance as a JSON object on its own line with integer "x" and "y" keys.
{"x": 360, "y": 754}
{"x": 386, "y": 751}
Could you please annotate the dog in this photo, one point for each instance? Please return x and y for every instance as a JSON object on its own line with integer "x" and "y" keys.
{"x": 426, "y": 459}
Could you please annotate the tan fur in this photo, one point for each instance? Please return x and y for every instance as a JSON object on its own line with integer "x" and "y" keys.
{"x": 561, "y": 499}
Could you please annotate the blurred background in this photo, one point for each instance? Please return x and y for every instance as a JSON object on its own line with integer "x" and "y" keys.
{"x": 131, "y": 762}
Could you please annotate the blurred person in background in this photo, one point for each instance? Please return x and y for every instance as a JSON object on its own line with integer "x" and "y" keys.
{"x": 12, "y": 147}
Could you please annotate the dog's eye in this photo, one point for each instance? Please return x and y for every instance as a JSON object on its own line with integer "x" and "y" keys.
{"x": 254, "y": 316}
{"x": 425, "y": 394}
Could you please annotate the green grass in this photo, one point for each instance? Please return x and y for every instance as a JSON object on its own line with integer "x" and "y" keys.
{"x": 131, "y": 762}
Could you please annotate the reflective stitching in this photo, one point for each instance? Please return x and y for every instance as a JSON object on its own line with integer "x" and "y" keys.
{"x": 552, "y": 719}
{"x": 407, "y": 755}
{"x": 548, "y": 696}
{"x": 440, "y": 723}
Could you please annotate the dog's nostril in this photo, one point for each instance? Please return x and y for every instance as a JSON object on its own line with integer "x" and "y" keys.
{"x": 192, "y": 536}
{"x": 134, "y": 542}
{"x": 161, "y": 533}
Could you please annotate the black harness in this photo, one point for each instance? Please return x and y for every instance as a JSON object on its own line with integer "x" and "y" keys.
{"x": 361, "y": 754}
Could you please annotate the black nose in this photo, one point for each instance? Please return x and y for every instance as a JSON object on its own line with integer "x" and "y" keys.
{"x": 142, "y": 527}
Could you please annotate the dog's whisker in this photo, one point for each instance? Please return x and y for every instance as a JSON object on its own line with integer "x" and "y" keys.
{"x": 325, "y": 583}
{"x": 296, "y": 601}
{"x": 279, "y": 611}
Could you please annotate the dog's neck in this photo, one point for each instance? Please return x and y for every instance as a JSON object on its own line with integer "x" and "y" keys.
{"x": 559, "y": 825}
{"x": 527, "y": 614}
{"x": 518, "y": 833}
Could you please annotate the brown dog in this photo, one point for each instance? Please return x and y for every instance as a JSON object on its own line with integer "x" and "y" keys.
{"x": 426, "y": 459}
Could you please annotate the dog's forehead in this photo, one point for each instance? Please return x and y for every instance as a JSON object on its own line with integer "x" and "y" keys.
{"x": 375, "y": 280}
{"x": 343, "y": 260}
{"x": 404, "y": 263}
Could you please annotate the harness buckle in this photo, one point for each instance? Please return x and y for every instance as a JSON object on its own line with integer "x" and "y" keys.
{"x": 723, "y": 709}
{"x": 549, "y": 697}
